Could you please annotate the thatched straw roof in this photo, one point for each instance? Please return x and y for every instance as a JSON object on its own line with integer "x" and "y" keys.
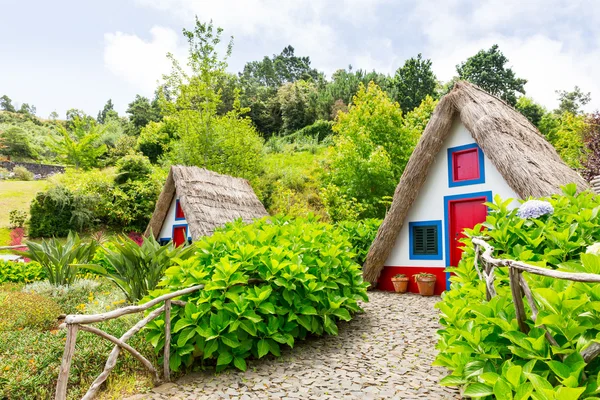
{"x": 528, "y": 163}
{"x": 209, "y": 200}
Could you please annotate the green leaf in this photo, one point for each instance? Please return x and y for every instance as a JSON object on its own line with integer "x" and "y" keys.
{"x": 224, "y": 358}
{"x": 452, "y": 380}
{"x": 559, "y": 369}
{"x": 262, "y": 347}
{"x": 267, "y": 308}
{"x": 478, "y": 390}
{"x": 502, "y": 390}
{"x": 342, "y": 314}
{"x": 182, "y": 323}
{"x": 240, "y": 363}
{"x": 564, "y": 393}
{"x": 513, "y": 375}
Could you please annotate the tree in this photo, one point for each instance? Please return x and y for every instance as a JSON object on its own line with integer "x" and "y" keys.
{"x": 298, "y": 105}
{"x": 156, "y": 137}
{"x": 572, "y": 102}
{"x": 371, "y": 149}
{"x": 16, "y": 143}
{"x": 27, "y": 109}
{"x": 53, "y": 116}
{"x": 141, "y": 112}
{"x": 591, "y": 137}
{"x": 413, "y": 82}
{"x": 80, "y": 147}
{"x": 530, "y": 109}
{"x": 566, "y": 133}
{"x": 487, "y": 70}
{"x": 285, "y": 67}
{"x": 6, "y": 104}
{"x": 108, "y": 112}
{"x": 224, "y": 143}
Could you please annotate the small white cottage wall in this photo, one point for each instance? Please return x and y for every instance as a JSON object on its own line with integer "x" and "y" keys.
{"x": 429, "y": 204}
{"x": 166, "y": 232}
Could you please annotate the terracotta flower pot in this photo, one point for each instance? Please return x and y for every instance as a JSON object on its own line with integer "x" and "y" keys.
{"x": 426, "y": 285}
{"x": 400, "y": 284}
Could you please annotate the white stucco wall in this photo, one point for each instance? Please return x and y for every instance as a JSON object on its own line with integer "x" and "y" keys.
{"x": 166, "y": 232}
{"x": 429, "y": 204}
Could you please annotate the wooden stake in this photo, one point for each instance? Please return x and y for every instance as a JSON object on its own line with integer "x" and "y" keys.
{"x": 517, "y": 294}
{"x": 65, "y": 367}
{"x": 167, "y": 353}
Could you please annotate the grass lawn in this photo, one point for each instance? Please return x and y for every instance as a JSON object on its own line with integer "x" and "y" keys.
{"x": 17, "y": 195}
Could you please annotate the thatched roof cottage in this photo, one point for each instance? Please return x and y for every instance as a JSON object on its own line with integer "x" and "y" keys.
{"x": 195, "y": 201}
{"x": 474, "y": 147}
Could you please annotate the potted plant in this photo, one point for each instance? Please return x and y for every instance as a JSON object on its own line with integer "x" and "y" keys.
{"x": 400, "y": 282}
{"x": 426, "y": 283}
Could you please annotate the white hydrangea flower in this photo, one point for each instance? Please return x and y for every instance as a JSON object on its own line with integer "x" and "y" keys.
{"x": 534, "y": 209}
{"x": 593, "y": 249}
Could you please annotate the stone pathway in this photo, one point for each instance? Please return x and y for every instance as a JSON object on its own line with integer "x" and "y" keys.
{"x": 385, "y": 353}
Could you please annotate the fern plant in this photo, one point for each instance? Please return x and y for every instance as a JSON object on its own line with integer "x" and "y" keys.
{"x": 137, "y": 269}
{"x": 60, "y": 260}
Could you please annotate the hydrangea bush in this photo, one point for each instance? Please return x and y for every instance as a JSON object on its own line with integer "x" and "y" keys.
{"x": 481, "y": 343}
{"x": 267, "y": 285}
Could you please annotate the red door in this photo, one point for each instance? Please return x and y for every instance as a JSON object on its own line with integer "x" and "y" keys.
{"x": 464, "y": 213}
{"x": 179, "y": 235}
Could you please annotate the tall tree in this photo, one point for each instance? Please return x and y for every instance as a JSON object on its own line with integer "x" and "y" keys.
{"x": 530, "y": 109}
{"x": 27, "y": 109}
{"x": 572, "y": 101}
{"x": 81, "y": 147}
{"x": 141, "y": 112}
{"x": 487, "y": 69}
{"x": 16, "y": 143}
{"x": 107, "y": 112}
{"x": 413, "y": 82}
{"x": 6, "y": 104}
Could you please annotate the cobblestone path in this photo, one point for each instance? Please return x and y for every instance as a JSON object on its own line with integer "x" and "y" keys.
{"x": 385, "y": 353}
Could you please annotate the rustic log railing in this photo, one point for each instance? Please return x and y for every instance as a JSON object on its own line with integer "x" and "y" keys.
{"x": 75, "y": 323}
{"x": 519, "y": 287}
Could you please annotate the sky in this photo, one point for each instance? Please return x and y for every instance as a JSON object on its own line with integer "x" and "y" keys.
{"x": 67, "y": 54}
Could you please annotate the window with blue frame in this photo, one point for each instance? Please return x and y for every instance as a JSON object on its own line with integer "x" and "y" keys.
{"x": 466, "y": 165}
{"x": 425, "y": 240}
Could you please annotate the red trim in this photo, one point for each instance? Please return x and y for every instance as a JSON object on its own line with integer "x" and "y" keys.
{"x": 385, "y": 282}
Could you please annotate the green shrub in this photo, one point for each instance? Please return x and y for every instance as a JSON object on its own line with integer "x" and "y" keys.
{"x": 319, "y": 130}
{"x": 266, "y": 284}
{"x": 59, "y": 260}
{"x": 137, "y": 269}
{"x": 133, "y": 204}
{"x": 58, "y": 210}
{"x": 68, "y": 297}
{"x": 27, "y": 310}
{"x": 22, "y": 174}
{"x": 11, "y": 271}
{"x": 133, "y": 167}
{"x": 4, "y": 173}
{"x": 361, "y": 234}
{"x": 17, "y": 218}
{"x": 480, "y": 341}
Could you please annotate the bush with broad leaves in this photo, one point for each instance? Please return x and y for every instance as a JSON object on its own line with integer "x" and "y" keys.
{"x": 267, "y": 284}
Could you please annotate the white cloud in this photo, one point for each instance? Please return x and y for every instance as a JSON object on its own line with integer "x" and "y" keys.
{"x": 139, "y": 62}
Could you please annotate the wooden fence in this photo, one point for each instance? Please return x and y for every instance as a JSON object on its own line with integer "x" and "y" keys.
{"x": 75, "y": 323}
{"x": 519, "y": 287}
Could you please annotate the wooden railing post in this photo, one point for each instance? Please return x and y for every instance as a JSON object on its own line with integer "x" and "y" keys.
{"x": 167, "y": 350}
{"x": 65, "y": 366}
{"x": 517, "y": 294}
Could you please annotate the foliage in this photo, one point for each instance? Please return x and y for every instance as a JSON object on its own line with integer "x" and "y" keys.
{"x": 141, "y": 112}
{"x": 266, "y": 284}
{"x": 22, "y": 174}
{"x": 133, "y": 167}
{"x": 17, "y": 219}
{"x": 319, "y": 130}
{"x": 16, "y": 143}
{"x": 413, "y": 82}
{"x": 107, "y": 112}
{"x": 372, "y": 148}
{"x": 137, "y": 269}
{"x": 226, "y": 144}
{"x": 69, "y": 297}
{"x": 21, "y": 310}
{"x": 59, "y": 260}
{"x": 530, "y": 109}
{"x": 6, "y": 104}
{"x": 591, "y": 137}
{"x": 80, "y": 147}
{"x": 297, "y": 104}
{"x": 487, "y": 70}
{"x": 338, "y": 206}
{"x": 480, "y": 341}
{"x": 59, "y": 210}
{"x": 133, "y": 203}
{"x": 572, "y": 102}
{"x": 565, "y": 132}
{"x": 361, "y": 234}
{"x": 155, "y": 138}
{"x": 11, "y": 271}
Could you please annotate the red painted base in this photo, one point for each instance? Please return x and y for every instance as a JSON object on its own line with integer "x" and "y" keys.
{"x": 385, "y": 282}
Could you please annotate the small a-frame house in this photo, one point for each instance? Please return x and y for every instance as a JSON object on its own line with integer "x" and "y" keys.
{"x": 196, "y": 201}
{"x": 474, "y": 147}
